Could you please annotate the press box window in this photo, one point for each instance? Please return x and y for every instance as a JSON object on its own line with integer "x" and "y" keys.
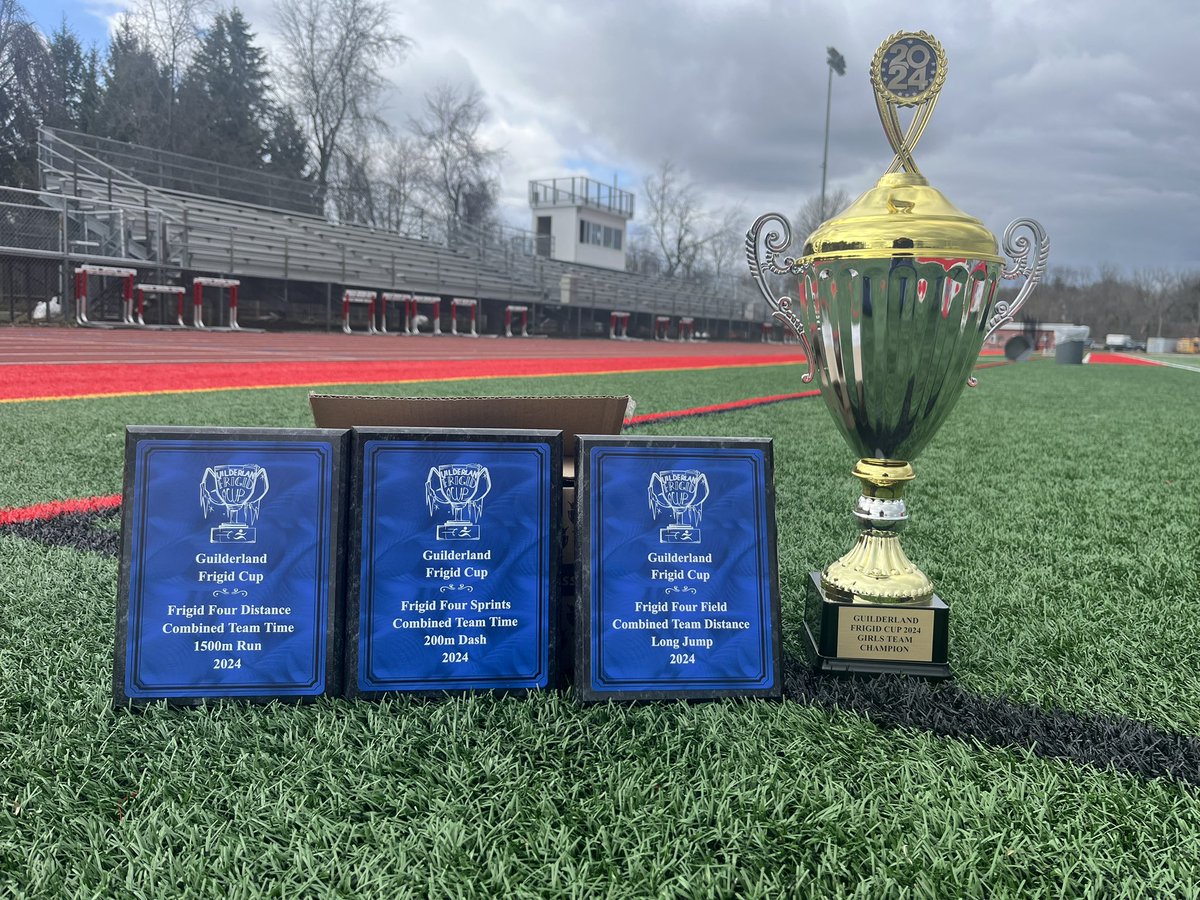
{"x": 600, "y": 235}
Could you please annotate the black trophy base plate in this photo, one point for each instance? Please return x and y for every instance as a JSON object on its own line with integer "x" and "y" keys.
{"x": 822, "y": 623}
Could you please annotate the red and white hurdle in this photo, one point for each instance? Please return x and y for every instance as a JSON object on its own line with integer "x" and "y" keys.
{"x": 508, "y": 317}
{"x": 85, "y": 272}
{"x": 420, "y": 300}
{"x": 662, "y": 325}
{"x": 198, "y": 286}
{"x": 156, "y": 290}
{"x": 687, "y": 329}
{"x": 386, "y": 297}
{"x": 359, "y": 298}
{"x": 463, "y": 303}
{"x": 618, "y": 326}
{"x": 768, "y": 332}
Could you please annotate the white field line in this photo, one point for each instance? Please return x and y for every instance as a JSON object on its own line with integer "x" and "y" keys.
{"x": 1172, "y": 365}
{"x": 1159, "y": 362}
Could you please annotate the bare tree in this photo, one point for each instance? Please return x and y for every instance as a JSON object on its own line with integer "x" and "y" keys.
{"x": 459, "y": 168}
{"x": 171, "y": 31}
{"x": 810, "y": 216}
{"x": 334, "y": 53}
{"x": 404, "y": 178}
{"x": 674, "y": 219}
{"x": 724, "y": 248}
{"x": 680, "y": 238}
{"x": 25, "y": 74}
{"x": 352, "y": 190}
{"x": 1160, "y": 297}
{"x": 640, "y": 253}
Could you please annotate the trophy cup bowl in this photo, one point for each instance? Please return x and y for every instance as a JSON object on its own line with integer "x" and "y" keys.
{"x": 896, "y": 296}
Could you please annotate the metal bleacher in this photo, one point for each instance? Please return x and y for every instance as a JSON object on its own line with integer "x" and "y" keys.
{"x": 173, "y": 213}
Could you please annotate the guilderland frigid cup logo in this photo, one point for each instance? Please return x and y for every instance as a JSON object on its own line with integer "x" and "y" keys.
{"x": 460, "y": 489}
{"x": 238, "y": 490}
{"x": 682, "y": 492}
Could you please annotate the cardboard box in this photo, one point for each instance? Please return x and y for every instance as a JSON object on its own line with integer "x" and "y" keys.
{"x": 571, "y": 415}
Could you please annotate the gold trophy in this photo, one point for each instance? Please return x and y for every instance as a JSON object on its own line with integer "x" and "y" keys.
{"x": 896, "y": 297}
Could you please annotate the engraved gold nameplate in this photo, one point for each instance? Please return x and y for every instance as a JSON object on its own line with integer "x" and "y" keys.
{"x": 903, "y": 635}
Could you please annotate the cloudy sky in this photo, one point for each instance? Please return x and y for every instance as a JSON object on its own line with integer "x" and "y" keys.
{"x": 1085, "y": 115}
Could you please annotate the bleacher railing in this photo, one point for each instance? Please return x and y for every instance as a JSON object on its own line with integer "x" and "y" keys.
{"x": 188, "y": 174}
{"x": 44, "y": 224}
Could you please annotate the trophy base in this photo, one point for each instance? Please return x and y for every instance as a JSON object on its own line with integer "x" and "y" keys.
{"x": 678, "y": 534}
{"x": 876, "y": 638}
{"x": 457, "y": 531}
{"x": 232, "y": 534}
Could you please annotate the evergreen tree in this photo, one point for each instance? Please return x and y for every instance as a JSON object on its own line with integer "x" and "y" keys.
{"x": 224, "y": 101}
{"x": 91, "y": 95}
{"x": 287, "y": 149}
{"x": 135, "y": 104}
{"x": 68, "y": 73}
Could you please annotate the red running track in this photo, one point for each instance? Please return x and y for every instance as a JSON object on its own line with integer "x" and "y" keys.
{"x": 56, "y": 363}
{"x": 1120, "y": 359}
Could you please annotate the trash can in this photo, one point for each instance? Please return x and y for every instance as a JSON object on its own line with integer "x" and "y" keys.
{"x": 1018, "y": 349}
{"x": 1069, "y": 353}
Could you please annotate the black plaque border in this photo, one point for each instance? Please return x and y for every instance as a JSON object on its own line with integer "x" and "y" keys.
{"x": 337, "y": 439}
{"x": 584, "y": 501}
{"x": 358, "y": 438}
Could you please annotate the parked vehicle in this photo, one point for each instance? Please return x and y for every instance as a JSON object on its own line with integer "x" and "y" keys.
{"x": 1122, "y": 342}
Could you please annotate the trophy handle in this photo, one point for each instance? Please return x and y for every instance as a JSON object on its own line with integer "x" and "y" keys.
{"x": 761, "y": 248}
{"x": 1017, "y": 246}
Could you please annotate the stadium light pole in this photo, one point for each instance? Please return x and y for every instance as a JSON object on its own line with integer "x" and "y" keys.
{"x": 837, "y": 63}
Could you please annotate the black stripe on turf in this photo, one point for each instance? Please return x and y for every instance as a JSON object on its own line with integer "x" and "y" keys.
{"x": 944, "y": 709}
{"x": 1103, "y": 741}
{"x": 96, "y": 532}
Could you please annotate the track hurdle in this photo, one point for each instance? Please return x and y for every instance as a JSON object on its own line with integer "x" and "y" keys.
{"x": 768, "y": 332}
{"x": 407, "y": 312}
{"x": 156, "y": 289}
{"x": 618, "y": 326}
{"x": 687, "y": 329}
{"x": 463, "y": 302}
{"x": 662, "y": 325}
{"x": 508, "y": 317}
{"x": 85, "y": 272}
{"x": 198, "y": 286}
{"x": 420, "y": 300}
{"x": 360, "y": 298}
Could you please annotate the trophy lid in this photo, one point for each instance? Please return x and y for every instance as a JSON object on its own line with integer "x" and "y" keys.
{"x": 902, "y": 216}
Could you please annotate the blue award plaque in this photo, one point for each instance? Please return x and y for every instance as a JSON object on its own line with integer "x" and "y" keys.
{"x": 677, "y": 593}
{"x": 453, "y": 575}
{"x": 230, "y": 565}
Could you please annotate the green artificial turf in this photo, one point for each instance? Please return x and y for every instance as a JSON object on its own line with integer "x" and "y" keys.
{"x": 1056, "y": 512}
{"x": 73, "y": 448}
{"x": 487, "y": 797}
